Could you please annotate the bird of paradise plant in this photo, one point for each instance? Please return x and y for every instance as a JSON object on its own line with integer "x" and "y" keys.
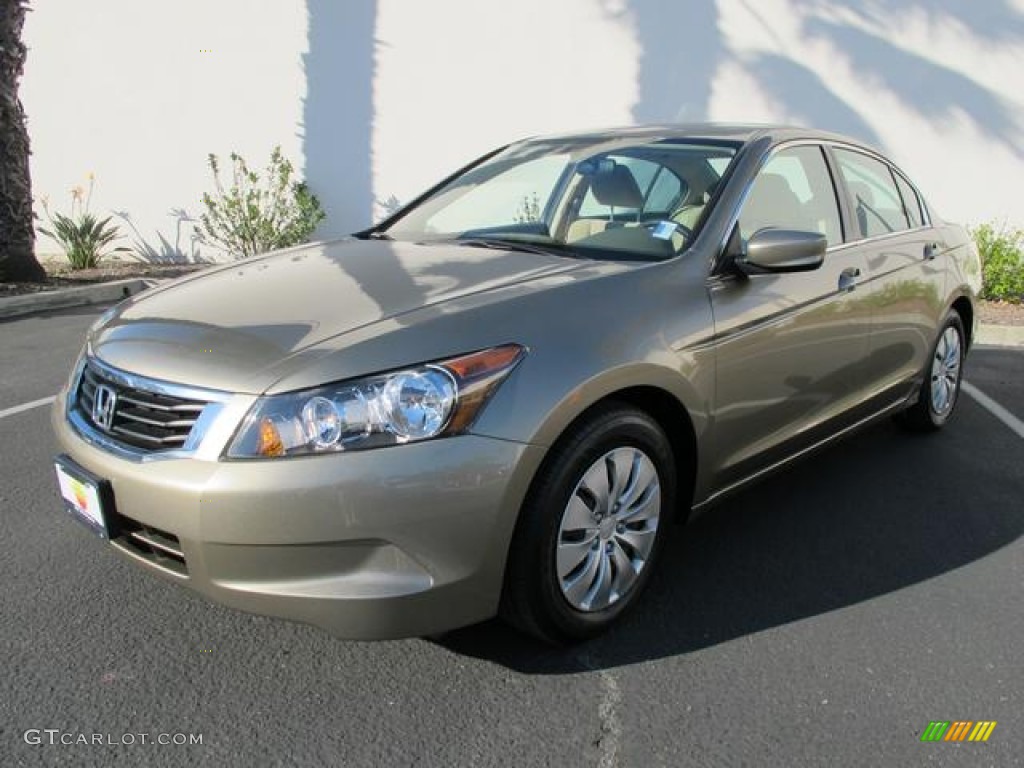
{"x": 81, "y": 235}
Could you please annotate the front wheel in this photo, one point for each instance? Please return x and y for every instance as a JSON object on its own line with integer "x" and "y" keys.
{"x": 591, "y": 528}
{"x": 940, "y": 389}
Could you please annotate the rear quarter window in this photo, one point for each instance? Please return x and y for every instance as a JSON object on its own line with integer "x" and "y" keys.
{"x": 911, "y": 202}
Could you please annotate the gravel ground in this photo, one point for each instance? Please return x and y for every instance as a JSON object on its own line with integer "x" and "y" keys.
{"x": 61, "y": 275}
{"x": 1002, "y": 313}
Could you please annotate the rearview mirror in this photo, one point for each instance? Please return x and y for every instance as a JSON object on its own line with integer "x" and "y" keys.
{"x": 782, "y": 250}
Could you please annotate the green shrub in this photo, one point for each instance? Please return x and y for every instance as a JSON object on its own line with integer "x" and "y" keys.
{"x": 258, "y": 213}
{"x": 1002, "y": 259}
{"x": 82, "y": 236}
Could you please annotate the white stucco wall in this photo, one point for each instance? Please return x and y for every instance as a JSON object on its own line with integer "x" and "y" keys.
{"x": 446, "y": 93}
{"x": 139, "y": 93}
{"x": 374, "y": 98}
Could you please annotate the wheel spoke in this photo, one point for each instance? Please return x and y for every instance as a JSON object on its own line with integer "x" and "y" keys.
{"x": 577, "y": 588}
{"x": 578, "y": 516}
{"x": 599, "y": 594}
{"x": 572, "y": 554}
{"x": 621, "y": 464}
{"x": 640, "y": 540}
{"x": 625, "y": 571}
{"x": 938, "y": 395}
{"x": 646, "y": 507}
{"x": 644, "y": 476}
{"x": 952, "y": 357}
{"x": 595, "y": 483}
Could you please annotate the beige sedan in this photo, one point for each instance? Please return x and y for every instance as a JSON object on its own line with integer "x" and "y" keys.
{"x": 499, "y": 399}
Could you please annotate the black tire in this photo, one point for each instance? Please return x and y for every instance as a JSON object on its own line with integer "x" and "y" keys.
{"x": 923, "y": 416}
{"x": 533, "y": 599}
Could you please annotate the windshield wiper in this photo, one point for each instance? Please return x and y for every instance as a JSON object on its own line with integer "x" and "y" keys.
{"x": 372, "y": 235}
{"x": 503, "y": 244}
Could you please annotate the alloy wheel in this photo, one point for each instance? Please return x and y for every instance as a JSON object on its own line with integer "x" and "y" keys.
{"x": 608, "y": 529}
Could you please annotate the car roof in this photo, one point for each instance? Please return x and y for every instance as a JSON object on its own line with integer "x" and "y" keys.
{"x": 737, "y": 132}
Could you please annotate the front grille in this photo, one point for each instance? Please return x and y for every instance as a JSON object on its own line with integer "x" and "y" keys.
{"x": 143, "y": 420}
{"x": 157, "y": 547}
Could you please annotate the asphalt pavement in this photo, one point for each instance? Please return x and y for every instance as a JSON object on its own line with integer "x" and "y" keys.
{"x": 824, "y": 617}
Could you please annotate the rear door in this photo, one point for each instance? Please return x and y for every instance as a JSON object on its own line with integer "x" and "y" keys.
{"x": 904, "y": 277}
{"x": 790, "y": 347}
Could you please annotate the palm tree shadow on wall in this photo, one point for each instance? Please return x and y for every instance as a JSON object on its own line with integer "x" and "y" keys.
{"x": 682, "y": 50}
{"x": 337, "y": 136}
{"x": 933, "y": 91}
{"x": 995, "y": 20}
{"x": 683, "y": 47}
{"x": 337, "y": 126}
{"x": 680, "y": 53}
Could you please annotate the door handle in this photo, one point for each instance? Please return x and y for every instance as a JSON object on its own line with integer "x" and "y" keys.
{"x": 848, "y": 278}
{"x": 931, "y": 251}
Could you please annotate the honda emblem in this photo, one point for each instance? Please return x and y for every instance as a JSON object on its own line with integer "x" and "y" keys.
{"x": 103, "y": 404}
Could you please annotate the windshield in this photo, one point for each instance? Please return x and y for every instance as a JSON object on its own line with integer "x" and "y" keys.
{"x": 603, "y": 199}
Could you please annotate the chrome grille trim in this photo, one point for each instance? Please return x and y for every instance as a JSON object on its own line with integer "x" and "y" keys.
{"x": 154, "y": 419}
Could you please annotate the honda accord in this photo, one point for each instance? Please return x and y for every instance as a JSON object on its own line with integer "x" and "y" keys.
{"x": 497, "y": 400}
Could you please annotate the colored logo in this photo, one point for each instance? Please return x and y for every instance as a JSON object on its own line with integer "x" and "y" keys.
{"x": 81, "y": 499}
{"x": 958, "y": 730}
{"x": 103, "y": 404}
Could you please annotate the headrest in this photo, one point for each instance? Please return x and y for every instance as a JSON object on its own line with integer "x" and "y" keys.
{"x": 617, "y": 188}
{"x": 773, "y": 185}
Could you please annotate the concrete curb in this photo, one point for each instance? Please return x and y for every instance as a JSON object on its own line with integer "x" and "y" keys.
{"x": 101, "y": 293}
{"x": 1000, "y": 336}
{"x": 105, "y": 293}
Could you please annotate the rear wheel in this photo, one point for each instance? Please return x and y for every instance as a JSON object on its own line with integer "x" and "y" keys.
{"x": 940, "y": 389}
{"x": 591, "y": 528}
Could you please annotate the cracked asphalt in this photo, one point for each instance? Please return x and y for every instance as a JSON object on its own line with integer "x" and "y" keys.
{"x": 824, "y": 617}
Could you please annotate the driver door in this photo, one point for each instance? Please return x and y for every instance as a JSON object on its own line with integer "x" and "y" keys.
{"x": 790, "y": 347}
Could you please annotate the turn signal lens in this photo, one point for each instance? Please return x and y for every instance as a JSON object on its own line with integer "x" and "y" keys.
{"x": 270, "y": 440}
{"x": 486, "y": 362}
{"x": 478, "y": 376}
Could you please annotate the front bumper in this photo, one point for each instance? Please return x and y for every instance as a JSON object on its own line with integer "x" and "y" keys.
{"x": 393, "y": 542}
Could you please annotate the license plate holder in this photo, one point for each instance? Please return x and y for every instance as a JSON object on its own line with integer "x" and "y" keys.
{"x": 87, "y": 497}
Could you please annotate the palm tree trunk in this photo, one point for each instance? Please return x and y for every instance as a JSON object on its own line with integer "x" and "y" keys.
{"x": 17, "y": 236}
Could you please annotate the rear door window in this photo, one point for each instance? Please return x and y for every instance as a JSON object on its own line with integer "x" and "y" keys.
{"x": 876, "y": 200}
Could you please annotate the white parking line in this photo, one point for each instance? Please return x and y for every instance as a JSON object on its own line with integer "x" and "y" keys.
{"x": 994, "y": 408}
{"x": 26, "y": 406}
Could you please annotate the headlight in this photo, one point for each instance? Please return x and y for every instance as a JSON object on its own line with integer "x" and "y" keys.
{"x": 431, "y": 400}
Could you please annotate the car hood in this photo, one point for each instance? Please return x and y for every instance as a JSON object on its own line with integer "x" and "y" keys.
{"x": 231, "y": 328}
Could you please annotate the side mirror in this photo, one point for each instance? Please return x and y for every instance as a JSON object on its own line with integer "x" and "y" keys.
{"x": 772, "y": 251}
